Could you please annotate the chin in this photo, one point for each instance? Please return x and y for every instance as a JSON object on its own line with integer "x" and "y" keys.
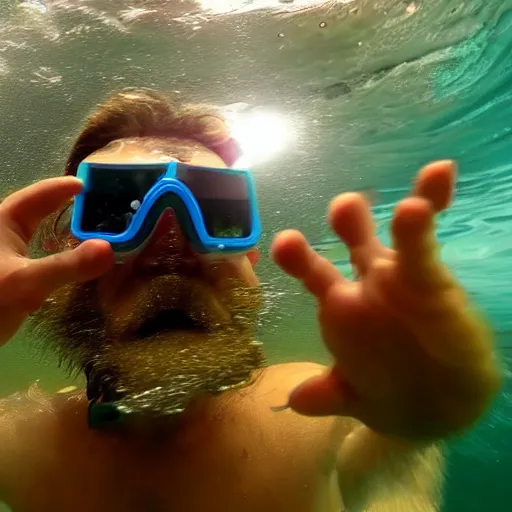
{"x": 172, "y": 359}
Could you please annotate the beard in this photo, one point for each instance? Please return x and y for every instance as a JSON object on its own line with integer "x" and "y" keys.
{"x": 176, "y": 344}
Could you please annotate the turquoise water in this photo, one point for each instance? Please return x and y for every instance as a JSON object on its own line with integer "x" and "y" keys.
{"x": 368, "y": 100}
{"x": 470, "y": 121}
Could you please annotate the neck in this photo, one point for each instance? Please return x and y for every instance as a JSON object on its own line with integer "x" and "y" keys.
{"x": 203, "y": 423}
{"x": 150, "y": 432}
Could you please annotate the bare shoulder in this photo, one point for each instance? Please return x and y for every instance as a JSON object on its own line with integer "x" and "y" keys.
{"x": 269, "y": 395}
{"x": 289, "y": 375}
{"x": 21, "y": 416}
{"x": 19, "y": 412}
{"x": 273, "y": 385}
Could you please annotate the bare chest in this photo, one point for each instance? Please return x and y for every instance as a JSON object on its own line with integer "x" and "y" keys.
{"x": 240, "y": 459}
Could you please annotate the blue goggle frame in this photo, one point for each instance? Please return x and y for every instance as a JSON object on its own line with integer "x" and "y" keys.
{"x": 167, "y": 192}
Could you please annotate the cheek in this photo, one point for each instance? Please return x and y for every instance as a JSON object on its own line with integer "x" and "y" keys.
{"x": 253, "y": 256}
{"x": 116, "y": 287}
{"x": 238, "y": 268}
{"x": 248, "y": 275}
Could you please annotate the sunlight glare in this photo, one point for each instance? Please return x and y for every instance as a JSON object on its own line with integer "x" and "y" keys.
{"x": 261, "y": 135}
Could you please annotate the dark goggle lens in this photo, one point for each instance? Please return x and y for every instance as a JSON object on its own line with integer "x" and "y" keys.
{"x": 223, "y": 198}
{"x": 114, "y": 197}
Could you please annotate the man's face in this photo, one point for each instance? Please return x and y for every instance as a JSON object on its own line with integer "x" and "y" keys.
{"x": 165, "y": 326}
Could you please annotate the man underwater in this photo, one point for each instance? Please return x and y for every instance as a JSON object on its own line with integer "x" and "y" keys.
{"x": 150, "y": 291}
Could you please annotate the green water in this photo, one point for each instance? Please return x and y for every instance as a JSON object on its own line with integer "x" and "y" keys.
{"x": 368, "y": 99}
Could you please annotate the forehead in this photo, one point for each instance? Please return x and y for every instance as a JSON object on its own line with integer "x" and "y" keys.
{"x": 126, "y": 152}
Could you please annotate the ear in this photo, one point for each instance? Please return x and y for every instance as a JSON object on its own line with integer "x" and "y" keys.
{"x": 253, "y": 255}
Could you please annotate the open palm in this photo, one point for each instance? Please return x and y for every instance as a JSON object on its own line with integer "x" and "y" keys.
{"x": 411, "y": 357}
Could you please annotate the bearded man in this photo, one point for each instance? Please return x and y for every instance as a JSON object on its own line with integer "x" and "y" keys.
{"x": 148, "y": 288}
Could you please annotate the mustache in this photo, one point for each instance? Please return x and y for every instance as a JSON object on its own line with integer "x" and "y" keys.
{"x": 206, "y": 306}
{"x": 173, "y": 292}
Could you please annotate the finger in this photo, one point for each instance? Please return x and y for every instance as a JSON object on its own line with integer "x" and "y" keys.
{"x": 26, "y": 208}
{"x": 324, "y": 395}
{"x": 414, "y": 239}
{"x": 41, "y": 277}
{"x": 294, "y": 255}
{"x": 436, "y": 182}
{"x": 350, "y": 218}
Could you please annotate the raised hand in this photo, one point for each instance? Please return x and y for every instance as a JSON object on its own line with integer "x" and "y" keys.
{"x": 412, "y": 358}
{"x": 25, "y": 283}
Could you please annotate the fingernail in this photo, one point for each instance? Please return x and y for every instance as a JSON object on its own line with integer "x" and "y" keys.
{"x": 279, "y": 408}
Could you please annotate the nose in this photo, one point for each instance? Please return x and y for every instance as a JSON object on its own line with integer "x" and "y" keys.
{"x": 168, "y": 250}
{"x": 167, "y": 245}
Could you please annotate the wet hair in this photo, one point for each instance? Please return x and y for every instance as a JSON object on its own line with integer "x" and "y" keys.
{"x": 157, "y": 123}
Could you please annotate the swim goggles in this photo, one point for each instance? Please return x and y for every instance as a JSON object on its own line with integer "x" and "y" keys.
{"x": 122, "y": 203}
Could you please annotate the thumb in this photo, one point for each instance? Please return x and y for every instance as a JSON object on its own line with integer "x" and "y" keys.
{"x": 324, "y": 395}
{"x": 41, "y": 277}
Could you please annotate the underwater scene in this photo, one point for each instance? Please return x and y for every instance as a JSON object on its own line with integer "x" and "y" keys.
{"x": 322, "y": 97}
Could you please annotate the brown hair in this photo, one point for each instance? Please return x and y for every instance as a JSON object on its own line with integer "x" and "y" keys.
{"x": 156, "y": 121}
